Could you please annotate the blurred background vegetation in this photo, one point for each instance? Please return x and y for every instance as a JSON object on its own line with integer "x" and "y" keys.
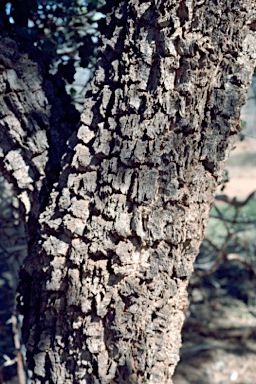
{"x": 65, "y": 31}
{"x": 220, "y": 330}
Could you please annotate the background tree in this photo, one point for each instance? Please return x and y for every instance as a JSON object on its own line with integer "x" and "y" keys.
{"x": 114, "y": 231}
{"x": 65, "y": 32}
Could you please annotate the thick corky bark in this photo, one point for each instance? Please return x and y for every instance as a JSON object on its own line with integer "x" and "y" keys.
{"x": 36, "y": 120}
{"x": 34, "y": 127}
{"x": 103, "y": 291}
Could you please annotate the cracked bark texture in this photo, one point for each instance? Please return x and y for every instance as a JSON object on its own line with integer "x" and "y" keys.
{"x": 103, "y": 290}
{"x": 35, "y": 124}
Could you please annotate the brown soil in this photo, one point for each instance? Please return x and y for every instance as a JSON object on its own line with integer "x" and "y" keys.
{"x": 241, "y": 167}
{"x": 220, "y": 333}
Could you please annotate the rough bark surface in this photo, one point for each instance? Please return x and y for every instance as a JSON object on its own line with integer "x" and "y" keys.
{"x": 103, "y": 291}
{"x": 34, "y": 127}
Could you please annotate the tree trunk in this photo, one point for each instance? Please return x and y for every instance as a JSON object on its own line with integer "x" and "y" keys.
{"x": 103, "y": 290}
{"x": 36, "y": 120}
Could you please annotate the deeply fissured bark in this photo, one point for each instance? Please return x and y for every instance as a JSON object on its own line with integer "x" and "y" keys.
{"x": 103, "y": 291}
{"x": 35, "y": 124}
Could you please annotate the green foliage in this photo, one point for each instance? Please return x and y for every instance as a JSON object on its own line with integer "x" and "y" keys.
{"x": 65, "y": 30}
{"x": 243, "y": 124}
{"x": 230, "y": 235}
{"x": 231, "y": 218}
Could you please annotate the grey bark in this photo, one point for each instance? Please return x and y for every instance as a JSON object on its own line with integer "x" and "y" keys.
{"x": 35, "y": 124}
{"x": 103, "y": 290}
{"x": 36, "y": 120}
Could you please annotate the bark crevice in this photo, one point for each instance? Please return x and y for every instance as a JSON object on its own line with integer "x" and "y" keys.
{"x": 128, "y": 213}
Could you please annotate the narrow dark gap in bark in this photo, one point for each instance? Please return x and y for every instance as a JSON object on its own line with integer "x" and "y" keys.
{"x": 134, "y": 229}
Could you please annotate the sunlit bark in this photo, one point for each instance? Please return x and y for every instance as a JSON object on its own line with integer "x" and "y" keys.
{"x": 103, "y": 290}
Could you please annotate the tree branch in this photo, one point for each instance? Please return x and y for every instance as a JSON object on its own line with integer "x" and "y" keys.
{"x": 35, "y": 124}
{"x": 107, "y": 280}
